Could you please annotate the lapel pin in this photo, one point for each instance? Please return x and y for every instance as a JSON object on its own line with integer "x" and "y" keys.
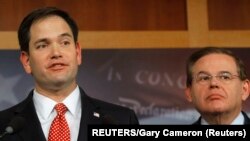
{"x": 96, "y": 114}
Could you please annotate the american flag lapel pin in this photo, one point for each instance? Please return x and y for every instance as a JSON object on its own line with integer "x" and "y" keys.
{"x": 96, "y": 114}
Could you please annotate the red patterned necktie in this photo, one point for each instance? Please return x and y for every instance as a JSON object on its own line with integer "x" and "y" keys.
{"x": 59, "y": 129}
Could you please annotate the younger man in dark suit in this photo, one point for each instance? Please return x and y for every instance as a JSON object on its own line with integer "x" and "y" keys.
{"x": 51, "y": 53}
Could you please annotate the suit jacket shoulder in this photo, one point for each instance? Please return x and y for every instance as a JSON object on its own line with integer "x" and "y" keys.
{"x": 31, "y": 127}
{"x": 99, "y": 112}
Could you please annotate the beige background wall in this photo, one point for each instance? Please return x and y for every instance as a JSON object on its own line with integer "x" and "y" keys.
{"x": 142, "y": 23}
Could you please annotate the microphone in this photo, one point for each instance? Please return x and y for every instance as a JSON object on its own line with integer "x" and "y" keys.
{"x": 108, "y": 119}
{"x": 15, "y": 125}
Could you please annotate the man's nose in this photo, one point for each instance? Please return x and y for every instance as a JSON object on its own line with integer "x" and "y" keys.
{"x": 214, "y": 81}
{"x": 55, "y": 51}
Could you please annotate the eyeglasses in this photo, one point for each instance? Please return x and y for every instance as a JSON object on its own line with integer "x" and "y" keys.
{"x": 224, "y": 77}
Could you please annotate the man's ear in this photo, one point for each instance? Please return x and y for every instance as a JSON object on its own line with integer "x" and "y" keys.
{"x": 188, "y": 94}
{"x": 78, "y": 53}
{"x": 246, "y": 90}
{"x": 24, "y": 58}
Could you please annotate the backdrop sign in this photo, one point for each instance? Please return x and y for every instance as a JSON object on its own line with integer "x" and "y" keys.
{"x": 149, "y": 81}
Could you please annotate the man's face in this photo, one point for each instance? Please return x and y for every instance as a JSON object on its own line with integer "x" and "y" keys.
{"x": 217, "y": 93}
{"x": 53, "y": 57}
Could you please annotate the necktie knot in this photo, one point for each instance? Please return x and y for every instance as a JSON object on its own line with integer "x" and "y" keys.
{"x": 61, "y": 109}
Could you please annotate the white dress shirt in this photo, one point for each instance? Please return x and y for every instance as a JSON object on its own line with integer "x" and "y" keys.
{"x": 239, "y": 120}
{"x": 46, "y": 113}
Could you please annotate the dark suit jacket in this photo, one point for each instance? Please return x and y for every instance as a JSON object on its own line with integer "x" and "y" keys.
{"x": 32, "y": 130}
{"x": 246, "y": 120}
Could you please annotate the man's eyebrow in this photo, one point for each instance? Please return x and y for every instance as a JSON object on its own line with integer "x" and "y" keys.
{"x": 41, "y": 40}
{"x": 65, "y": 34}
{"x": 202, "y": 72}
{"x": 224, "y": 72}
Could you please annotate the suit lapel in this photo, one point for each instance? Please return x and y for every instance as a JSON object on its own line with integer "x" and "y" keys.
{"x": 246, "y": 118}
{"x": 32, "y": 129}
{"x": 89, "y": 115}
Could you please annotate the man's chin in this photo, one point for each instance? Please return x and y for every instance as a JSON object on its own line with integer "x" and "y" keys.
{"x": 217, "y": 111}
{"x": 57, "y": 84}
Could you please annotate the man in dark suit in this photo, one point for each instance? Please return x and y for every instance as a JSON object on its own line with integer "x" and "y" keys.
{"x": 217, "y": 85}
{"x": 50, "y": 52}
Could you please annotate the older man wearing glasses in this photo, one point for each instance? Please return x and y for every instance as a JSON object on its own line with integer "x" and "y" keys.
{"x": 217, "y": 85}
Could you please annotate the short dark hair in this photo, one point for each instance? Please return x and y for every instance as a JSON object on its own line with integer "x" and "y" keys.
{"x": 24, "y": 28}
{"x": 212, "y": 50}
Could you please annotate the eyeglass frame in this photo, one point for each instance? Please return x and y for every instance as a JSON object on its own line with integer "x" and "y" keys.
{"x": 207, "y": 78}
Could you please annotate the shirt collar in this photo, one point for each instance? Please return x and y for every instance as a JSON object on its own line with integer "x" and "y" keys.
{"x": 45, "y": 106}
{"x": 239, "y": 120}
